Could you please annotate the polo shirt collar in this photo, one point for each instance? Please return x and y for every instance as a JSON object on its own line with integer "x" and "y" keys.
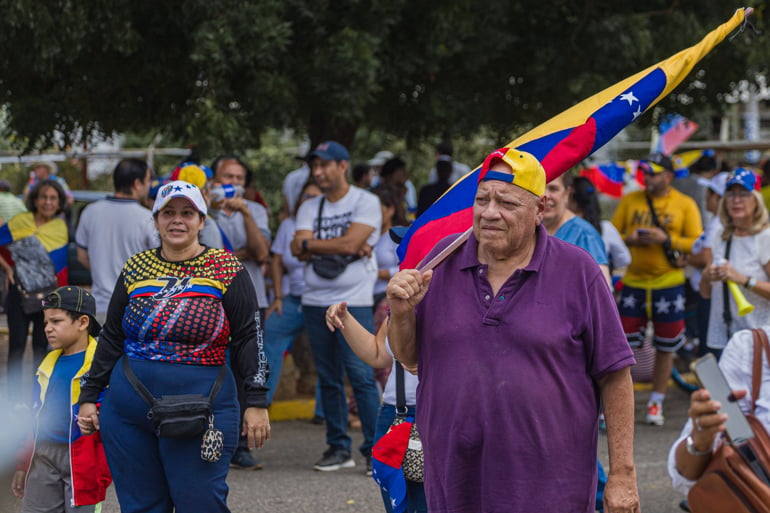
{"x": 468, "y": 259}
{"x": 121, "y": 200}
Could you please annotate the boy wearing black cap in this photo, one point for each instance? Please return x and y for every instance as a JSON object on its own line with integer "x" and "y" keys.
{"x": 64, "y": 470}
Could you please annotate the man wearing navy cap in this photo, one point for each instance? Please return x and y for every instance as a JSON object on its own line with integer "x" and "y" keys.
{"x": 341, "y": 226}
{"x": 517, "y": 340}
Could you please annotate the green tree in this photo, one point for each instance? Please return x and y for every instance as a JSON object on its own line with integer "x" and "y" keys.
{"x": 217, "y": 75}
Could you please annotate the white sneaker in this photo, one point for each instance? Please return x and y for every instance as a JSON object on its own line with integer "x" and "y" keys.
{"x": 655, "y": 413}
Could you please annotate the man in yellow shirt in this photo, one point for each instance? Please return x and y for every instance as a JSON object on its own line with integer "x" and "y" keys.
{"x": 656, "y": 223}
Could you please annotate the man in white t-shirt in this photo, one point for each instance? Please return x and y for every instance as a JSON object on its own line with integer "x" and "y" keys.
{"x": 343, "y": 223}
{"x": 115, "y": 228}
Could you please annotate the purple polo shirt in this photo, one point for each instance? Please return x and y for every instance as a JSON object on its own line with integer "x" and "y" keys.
{"x": 508, "y": 398}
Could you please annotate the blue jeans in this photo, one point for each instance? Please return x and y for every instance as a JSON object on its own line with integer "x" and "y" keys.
{"x": 158, "y": 475}
{"x": 333, "y": 358}
{"x": 280, "y": 332}
{"x": 600, "y": 485}
{"x": 415, "y": 492}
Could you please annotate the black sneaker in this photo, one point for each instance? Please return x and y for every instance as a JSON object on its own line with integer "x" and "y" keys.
{"x": 243, "y": 459}
{"x": 368, "y": 465}
{"x": 335, "y": 458}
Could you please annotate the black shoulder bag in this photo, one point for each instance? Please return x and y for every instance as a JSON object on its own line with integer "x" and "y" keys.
{"x": 178, "y": 416}
{"x": 672, "y": 255}
{"x": 329, "y": 266}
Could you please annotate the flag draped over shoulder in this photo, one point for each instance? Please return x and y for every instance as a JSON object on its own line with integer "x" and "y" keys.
{"x": 52, "y": 235}
{"x": 563, "y": 141}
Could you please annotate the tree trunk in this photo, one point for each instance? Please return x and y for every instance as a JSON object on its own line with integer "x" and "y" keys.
{"x": 322, "y": 128}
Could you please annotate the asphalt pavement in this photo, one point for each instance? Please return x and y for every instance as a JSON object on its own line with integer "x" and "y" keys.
{"x": 288, "y": 483}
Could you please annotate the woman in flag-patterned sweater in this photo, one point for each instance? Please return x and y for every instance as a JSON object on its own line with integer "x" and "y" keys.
{"x": 33, "y": 255}
{"x": 174, "y": 312}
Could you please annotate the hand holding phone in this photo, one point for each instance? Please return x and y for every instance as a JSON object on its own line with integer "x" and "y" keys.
{"x": 738, "y": 429}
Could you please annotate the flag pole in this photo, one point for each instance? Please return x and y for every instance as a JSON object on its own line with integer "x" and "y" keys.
{"x": 433, "y": 262}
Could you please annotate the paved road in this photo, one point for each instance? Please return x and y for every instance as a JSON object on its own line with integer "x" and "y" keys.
{"x": 289, "y": 485}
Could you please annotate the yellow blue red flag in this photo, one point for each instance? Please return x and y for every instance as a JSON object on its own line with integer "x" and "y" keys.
{"x": 52, "y": 235}
{"x": 566, "y": 139}
{"x": 674, "y": 130}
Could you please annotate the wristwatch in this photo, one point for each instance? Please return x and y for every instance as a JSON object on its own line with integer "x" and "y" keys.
{"x": 689, "y": 444}
{"x": 750, "y": 283}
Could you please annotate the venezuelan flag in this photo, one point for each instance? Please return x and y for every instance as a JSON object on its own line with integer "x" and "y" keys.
{"x": 53, "y": 236}
{"x": 387, "y": 456}
{"x": 608, "y": 178}
{"x": 674, "y": 130}
{"x": 566, "y": 139}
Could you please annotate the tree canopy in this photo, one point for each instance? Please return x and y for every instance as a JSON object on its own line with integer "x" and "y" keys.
{"x": 218, "y": 74}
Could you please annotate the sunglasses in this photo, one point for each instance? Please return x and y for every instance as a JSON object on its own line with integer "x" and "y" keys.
{"x": 738, "y": 193}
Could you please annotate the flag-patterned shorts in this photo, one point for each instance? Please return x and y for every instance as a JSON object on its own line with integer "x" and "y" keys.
{"x": 665, "y": 307}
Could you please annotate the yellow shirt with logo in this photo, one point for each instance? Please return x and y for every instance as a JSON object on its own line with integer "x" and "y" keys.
{"x": 680, "y": 217}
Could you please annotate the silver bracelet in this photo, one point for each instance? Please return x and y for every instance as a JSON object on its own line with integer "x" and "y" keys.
{"x": 689, "y": 444}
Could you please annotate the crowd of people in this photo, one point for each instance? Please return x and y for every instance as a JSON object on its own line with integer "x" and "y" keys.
{"x": 193, "y": 296}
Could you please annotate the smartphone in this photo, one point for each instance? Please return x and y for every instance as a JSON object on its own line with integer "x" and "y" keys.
{"x": 642, "y": 231}
{"x": 738, "y": 429}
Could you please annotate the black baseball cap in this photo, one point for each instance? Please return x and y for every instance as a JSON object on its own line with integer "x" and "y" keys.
{"x": 74, "y": 299}
{"x": 662, "y": 161}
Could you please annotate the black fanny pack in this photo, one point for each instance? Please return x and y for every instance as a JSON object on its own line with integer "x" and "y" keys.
{"x": 177, "y": 416}
{"x": 329, "y": 267}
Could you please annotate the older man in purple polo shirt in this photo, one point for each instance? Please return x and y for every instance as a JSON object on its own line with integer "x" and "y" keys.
{"x": 517, "y": 340}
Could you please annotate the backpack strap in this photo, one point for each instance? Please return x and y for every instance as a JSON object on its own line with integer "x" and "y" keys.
{"x": 400, "y": 391}
{"x": 727, "y": 315}
{"x": 761, "y": 345}
{"x": 318, "y": 220}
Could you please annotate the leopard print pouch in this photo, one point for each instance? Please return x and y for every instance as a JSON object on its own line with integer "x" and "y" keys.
{"x": 213, "y": 443}
{"x": 412, "y": 466}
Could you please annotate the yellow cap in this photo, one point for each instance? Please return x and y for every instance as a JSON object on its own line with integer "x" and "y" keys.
{"x": 527, "y": 172}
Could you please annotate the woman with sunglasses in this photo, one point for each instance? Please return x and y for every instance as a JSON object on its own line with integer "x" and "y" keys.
{"x": 739, "y": 253}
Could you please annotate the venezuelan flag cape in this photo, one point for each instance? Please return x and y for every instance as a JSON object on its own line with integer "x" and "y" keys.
{"x": 53, "y": 236}
{"x": 563, "y": 141}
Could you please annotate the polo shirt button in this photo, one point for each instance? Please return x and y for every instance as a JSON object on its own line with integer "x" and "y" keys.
{"x": 481, "y": 270}
{"x": 486, "y": 297}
